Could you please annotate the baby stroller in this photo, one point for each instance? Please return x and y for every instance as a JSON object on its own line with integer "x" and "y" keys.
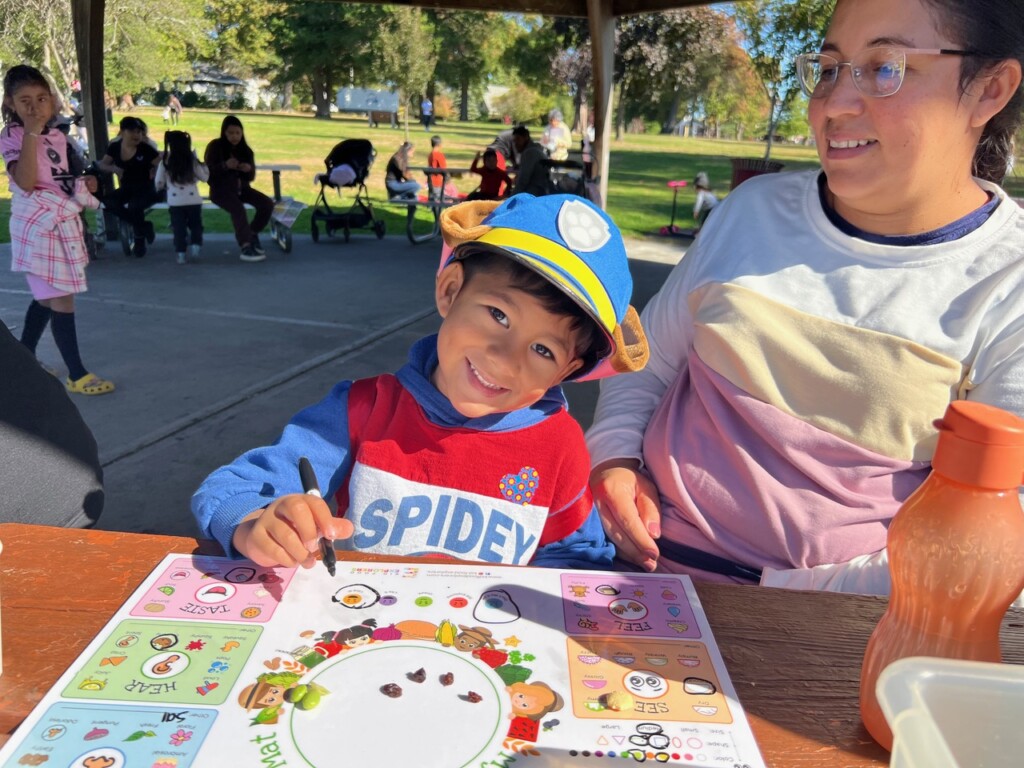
{"x": 358, "y": 155}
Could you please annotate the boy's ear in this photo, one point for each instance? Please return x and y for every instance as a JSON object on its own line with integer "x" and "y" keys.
{"x": 447, "y": 286}
{"x": 574, "y": 365}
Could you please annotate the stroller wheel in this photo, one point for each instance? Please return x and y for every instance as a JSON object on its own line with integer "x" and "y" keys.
{"x": 284, "y": 239}
{"x": 127, "y": 235}
{"x": 380, "y": 227}
{"x": 314, "y": 231}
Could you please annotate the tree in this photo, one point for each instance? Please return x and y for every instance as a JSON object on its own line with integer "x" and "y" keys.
{"x": 407, "y": 53}
{"x": 776, "y": 31}
{"x": 242, "y": 34}
{"x": 573, "y": 69}
{"x": 472, "y": 43}
{"x": 521, "y": 103}
{"x": 143, "y": 43}
{"x": 735, "y": 95}
{"x": 327, "y": 44}
{"x": 695, "y": 42}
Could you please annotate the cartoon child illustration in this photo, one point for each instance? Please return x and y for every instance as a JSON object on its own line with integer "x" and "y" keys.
{"x": 530, "y": 702}
{"x": 267, "y": 695}
{"x": 332, "y": 643}
{"x": 471, "y": 638}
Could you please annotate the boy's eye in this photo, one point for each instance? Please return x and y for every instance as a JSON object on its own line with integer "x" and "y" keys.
{"x": 498, "y": 315}
{"x": 543, "y": 351}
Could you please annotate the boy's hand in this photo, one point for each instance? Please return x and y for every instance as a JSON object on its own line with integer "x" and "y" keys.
{"x": 287, "y": 532}
{"x": 630, "y": 512}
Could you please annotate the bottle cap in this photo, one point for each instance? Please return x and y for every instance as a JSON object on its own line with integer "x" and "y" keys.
{"x": 980, "y": 445}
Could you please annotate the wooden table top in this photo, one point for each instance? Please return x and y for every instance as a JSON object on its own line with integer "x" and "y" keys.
{"x": 794, "y": 657}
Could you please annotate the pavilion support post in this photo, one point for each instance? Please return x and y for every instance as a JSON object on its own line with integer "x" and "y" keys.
{"x": 87, "y": 20}
{"x": 602, "y": 37}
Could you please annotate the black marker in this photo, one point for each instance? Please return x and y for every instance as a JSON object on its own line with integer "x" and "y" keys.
{"x": 309, "y": 486}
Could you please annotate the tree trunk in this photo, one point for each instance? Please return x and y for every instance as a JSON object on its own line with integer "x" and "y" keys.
{"x": 620, "y": 113}
{"x": 771, "y": 126}
{"x": 464, "y": 100}
{"x": 578, "y": 125}
{"x": 673, "y": 112}
{"x": 286, "y": 95}
{"x": 321, "y": 95}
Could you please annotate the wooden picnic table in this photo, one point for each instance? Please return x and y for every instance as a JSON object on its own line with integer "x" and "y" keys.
{"x": 794, "y": 657}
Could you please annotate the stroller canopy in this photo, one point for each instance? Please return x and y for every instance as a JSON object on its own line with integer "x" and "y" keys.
{"x": 357, "y": 153}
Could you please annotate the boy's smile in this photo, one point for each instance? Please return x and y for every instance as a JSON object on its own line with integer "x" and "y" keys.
{"x": 499, "y": 349}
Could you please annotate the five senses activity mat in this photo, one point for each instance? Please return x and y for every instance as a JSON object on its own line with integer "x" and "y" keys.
{"x": 217, "y": 662}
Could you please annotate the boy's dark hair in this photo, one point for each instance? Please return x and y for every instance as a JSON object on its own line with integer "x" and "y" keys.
{"x": 17, "y": 77}
{"x": 591, "y": 343}
{"x": 490, "y": 152}
{"x": 435, "y": 141}
{"x": 521, "y": 130}
{"x": 178, "y": 157}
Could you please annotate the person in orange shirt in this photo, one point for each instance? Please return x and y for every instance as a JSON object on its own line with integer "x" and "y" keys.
{"x": 436, "y": 159}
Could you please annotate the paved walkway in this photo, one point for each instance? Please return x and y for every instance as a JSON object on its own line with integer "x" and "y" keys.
{"x": 211, "y": 359}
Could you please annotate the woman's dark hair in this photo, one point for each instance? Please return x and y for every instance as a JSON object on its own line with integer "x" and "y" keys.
{"x": 240, "y": 151}
{"x": 17, "y": 77}
{"x": 994, "y": 28}
{"x": 591, "y": 343}
{"x": 178, "y": 158}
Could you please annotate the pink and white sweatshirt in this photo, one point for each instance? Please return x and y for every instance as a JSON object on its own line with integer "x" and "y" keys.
{"x": 787, "y": 409}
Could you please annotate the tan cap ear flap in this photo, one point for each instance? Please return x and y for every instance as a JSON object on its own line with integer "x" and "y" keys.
{"x": 462, "y": 223}
{"x": 631, "y": 350}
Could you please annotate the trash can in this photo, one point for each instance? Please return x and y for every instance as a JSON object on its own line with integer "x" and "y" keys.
{"x": 744, "y": 168}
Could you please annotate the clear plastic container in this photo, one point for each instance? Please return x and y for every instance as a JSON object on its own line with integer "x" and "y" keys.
{"x": 946, "y": 713}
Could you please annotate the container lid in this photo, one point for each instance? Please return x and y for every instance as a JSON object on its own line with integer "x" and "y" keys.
{"x": 980, "y": 445}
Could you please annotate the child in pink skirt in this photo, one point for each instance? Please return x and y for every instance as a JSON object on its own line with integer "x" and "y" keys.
{"x": 47, "y": 242}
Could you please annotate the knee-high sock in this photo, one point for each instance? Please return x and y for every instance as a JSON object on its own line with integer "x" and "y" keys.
{"x": 36, "y": 319}
{"x": 66, "y": 336}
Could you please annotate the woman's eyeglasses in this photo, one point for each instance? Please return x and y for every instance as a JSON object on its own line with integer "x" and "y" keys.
{"x": 876, "y": 72}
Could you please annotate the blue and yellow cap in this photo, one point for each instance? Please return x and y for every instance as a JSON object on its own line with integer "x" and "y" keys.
{"x": 571, "y": 242}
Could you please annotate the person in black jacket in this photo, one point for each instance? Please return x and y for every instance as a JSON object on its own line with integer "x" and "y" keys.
{"x": 232, "y": 167}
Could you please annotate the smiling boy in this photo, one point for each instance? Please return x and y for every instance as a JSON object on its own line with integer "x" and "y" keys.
{"x": 467, "y": 451}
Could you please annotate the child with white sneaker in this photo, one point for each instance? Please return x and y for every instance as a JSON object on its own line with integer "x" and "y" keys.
{"x": 178, "y": 173}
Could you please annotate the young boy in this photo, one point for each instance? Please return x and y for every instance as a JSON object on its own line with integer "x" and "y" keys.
{"x": 492, "y": 178}
{"x": 705, "y": 202}
{"x": 436, "y": 159}
{"x": 468, "y": 450}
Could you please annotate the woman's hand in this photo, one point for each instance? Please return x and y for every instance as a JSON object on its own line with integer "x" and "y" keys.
{"x": 91, "y": 184}
{"x": 630, "y": 512}
{"x": 288, "y": 531}
{"x": 231, "y": 163}
{"x": 244, "y": 167}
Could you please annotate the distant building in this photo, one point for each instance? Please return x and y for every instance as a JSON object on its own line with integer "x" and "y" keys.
{"x": 217, "y": 85}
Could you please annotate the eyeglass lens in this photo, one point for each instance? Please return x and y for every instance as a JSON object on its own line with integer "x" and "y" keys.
{"x": 875, "y": 71}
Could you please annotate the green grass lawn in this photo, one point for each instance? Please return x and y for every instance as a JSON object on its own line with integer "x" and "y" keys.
{"x": 638, "y": 199}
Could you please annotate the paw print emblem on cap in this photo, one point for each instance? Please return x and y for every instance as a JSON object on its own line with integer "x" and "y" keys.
{"x": 581, "y": 227}
{"x": 519, "y": 488}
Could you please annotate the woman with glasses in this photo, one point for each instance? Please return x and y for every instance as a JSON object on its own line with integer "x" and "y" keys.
{"x": 823, "y": 320}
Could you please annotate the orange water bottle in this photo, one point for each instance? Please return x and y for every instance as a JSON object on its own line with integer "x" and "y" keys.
{"x": 956, "y": 552}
